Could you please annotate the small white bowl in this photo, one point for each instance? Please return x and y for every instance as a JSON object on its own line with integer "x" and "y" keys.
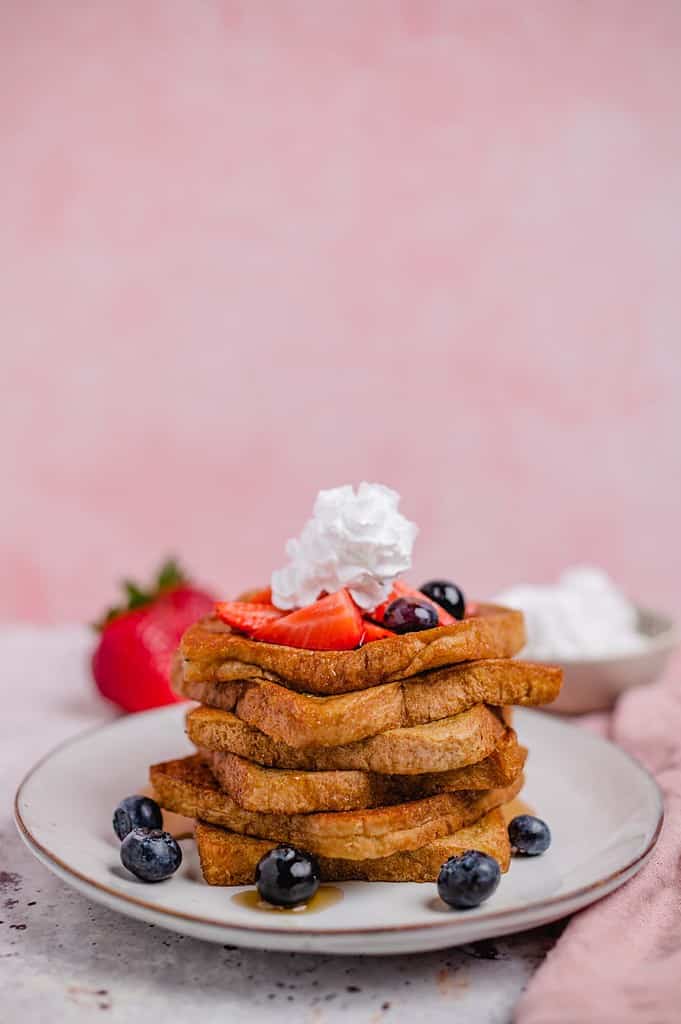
{"x": 594, "y": 684}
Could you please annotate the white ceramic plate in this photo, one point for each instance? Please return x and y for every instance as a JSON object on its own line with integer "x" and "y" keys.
{"x": 604, "y": 810}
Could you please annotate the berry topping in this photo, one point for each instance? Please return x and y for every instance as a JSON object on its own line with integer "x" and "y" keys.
{"x": 132, "y": 661}
{"x": 287, "y": 877}
{"x": 468, "y": 880}
{"x": 136, "y": 812}
{"x": 371, "y": 632}
{"x": 529, "y": 835}
{"x": 447, "y": 595}
{"x": 401, "y": 589}
{"x": 150, "y": 854}
{"x": 409, "y": 614}
{"x": 332, "y": 623}
{"x": 246, "y": 616}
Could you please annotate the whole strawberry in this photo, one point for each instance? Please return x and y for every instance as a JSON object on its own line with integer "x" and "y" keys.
{"x": 132, "y": 661}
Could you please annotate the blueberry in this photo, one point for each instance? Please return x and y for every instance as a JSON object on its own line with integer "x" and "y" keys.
{"x": 136, "y": 812}
{"x": 150, "y": 854}
{"x": 447, "y": 595}
{"x": 529, "y": 835}
{"x": 468, "y": 880}
{"x": 286, "y": 876}
{"x": 408, "y": 614}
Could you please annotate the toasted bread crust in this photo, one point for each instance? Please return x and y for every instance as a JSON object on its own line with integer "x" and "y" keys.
{"x": 211, "y": 652}
{"x": 188, "y": 787}
{"x": 282, "y": 791}
{"x": 434, "y": 747}
{"x": 228, "y": 858}
{"x": 302, "y": 720}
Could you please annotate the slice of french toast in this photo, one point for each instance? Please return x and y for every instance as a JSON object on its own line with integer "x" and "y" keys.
{"x": 228, "y": 858}
{"x": 212, "y": 652}
{"x": 304, "y": 720}
{"x": 433, "y": 747}
{"x": 284, "y": 791}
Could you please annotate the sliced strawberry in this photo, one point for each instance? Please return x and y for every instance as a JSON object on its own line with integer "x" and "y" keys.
{"x": 371, "y": 632}
{"x": 401, "y": 589}
{"x": 263, "y": 596}
{"x": 332, "y": 623}
{"x": 246, "y": 616}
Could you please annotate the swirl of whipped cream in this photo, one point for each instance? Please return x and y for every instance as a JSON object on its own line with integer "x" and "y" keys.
{"x": 355, "y": 540}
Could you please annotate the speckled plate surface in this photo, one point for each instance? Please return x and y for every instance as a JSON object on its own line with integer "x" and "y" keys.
{"x": 604, "y": 810}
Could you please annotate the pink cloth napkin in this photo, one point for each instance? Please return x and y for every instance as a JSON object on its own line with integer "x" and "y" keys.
{"x": 620, "y": 959}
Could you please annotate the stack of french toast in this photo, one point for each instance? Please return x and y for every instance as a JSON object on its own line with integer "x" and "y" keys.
{"x": 382, "y": 761}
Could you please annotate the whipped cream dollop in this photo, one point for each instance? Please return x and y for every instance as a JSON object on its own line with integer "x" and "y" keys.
{"x": 583, "y": 615}
{"x": 358, "y": 540}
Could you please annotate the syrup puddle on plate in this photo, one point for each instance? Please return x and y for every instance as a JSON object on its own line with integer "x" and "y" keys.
{"x": 326, "y": 896}
{"x": 181, "y": 827}
{"x": 178, "y": 825}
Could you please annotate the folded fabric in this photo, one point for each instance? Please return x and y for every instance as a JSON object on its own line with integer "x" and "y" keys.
{"x": 619, "y": 960}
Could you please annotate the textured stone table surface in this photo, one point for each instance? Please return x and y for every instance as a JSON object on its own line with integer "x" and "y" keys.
{"x": 65, "y": 959}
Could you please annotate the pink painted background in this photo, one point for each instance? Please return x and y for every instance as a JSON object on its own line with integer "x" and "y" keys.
{"x": 252, "y": 249}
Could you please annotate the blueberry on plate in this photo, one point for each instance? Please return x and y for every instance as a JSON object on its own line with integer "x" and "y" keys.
{"x": 447, "y": 595}
{"x": 408, "y": 614}
{"x": 151, "y": 854}
{"x": 286, "y": 876}
{"x": 136, "y": 812}
{"x": 529, "y": 835}
{"x": 468, "y": 880}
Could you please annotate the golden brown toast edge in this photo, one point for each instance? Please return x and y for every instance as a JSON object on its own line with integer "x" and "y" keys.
{"x": 303, "y": 720}
{"x": 432, "y": 747}
{"x": 284, "y": 791}
{"x": 187, "y": 787}
{"x": 228, "y": 858}
{"x": 212, "y": 652}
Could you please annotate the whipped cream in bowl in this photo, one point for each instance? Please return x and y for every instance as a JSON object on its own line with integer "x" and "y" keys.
{"x": 604, "y": 642}
{"x": 355, "y": 539}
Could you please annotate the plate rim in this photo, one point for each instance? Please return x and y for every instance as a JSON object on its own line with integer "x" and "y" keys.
{"x": 48, "y": 857}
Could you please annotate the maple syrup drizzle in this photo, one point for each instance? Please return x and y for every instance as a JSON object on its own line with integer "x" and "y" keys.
{"x": 326, "y": 896}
